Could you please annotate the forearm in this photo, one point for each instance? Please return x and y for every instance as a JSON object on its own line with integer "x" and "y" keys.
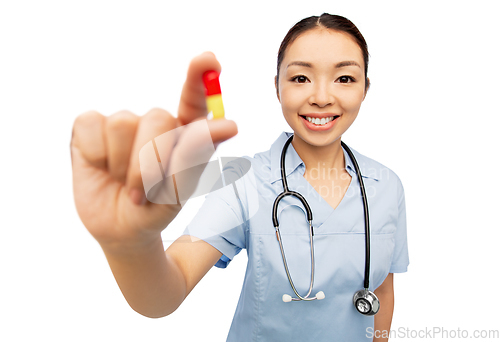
{"x": 151, "y": 282}
{"x": 383, "y": 318}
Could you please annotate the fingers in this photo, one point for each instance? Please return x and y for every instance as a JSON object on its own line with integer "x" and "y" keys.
{"x": 193, "y": 104}
{"x": 120, "y": 132}
{"x": 88, "y": 138}
{"x": 115, "y": 143}
{"x": 154, "y": 123}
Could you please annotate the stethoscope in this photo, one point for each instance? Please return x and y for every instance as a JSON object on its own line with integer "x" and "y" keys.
{"x": 365, "y": 301}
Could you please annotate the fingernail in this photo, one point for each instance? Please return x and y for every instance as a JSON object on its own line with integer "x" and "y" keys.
{"x": 137, "y": 197}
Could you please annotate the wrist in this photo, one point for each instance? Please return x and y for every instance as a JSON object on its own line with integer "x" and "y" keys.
{"x": 132, "y": 247}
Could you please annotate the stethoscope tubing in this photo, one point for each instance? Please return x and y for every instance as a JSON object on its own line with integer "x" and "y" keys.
{"x": 278, "y": 236}
{"x": 365, "y": 210}
{"x": 287, "y": 192}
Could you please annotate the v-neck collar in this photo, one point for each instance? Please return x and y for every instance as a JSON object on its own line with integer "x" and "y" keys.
{"x": 293, "y": 161}
{"x": 295, "y": 168}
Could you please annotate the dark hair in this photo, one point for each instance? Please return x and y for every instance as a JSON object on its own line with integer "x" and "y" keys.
{"x": 329, "y": 21}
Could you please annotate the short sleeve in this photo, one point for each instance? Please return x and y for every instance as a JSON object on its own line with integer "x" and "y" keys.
{"x": 400, "y": 259}
{"x": 222, "y": 219}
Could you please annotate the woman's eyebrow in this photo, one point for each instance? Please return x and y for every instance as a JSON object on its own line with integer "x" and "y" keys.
{"x": 338, "y": 65}
{"x": 347, "y": 63}
{"x": 300, "y": 63}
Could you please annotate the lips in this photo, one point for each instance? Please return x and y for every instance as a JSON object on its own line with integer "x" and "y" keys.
{"x": 319, "y": 122}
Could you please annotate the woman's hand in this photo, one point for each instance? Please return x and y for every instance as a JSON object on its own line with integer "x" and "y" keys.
{"x": 107, "y": 182}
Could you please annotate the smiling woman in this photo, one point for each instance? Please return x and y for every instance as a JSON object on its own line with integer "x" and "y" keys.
{"x": 321, "y": 83}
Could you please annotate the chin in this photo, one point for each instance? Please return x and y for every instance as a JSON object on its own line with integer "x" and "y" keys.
{"x": 318, "y": 139}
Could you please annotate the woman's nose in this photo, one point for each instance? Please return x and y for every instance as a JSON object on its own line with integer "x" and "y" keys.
{"x": 322, "y": 95}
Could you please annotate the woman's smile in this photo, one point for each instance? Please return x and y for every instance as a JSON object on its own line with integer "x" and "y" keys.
{"x": 320, "y": 122}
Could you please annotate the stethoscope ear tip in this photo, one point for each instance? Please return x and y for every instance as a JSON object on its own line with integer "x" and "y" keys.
{"x": 287, "y": 298}
{"x": 320, "y": 295}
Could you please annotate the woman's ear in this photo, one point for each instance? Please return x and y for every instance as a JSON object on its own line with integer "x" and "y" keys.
{"x": 367, "y": 86}
{"x": 276, "y": 86}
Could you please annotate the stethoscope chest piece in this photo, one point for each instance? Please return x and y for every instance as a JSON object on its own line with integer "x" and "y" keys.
{"x": 366, "y": 302}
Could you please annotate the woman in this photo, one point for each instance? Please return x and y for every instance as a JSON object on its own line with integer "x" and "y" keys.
{"x": 321, "y": 83}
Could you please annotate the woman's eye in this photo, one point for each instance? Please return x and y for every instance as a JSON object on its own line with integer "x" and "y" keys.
{"x": 346, "y": 79}
{"x": 299, "y": 79}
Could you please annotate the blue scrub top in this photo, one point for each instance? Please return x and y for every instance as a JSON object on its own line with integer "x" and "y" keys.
{"x": 240, "y": 216}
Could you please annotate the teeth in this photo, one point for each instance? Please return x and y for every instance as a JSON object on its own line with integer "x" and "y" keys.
{"x": 318, "y": 121}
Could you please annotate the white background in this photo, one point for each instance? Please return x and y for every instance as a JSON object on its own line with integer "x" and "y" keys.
{"x": 431, "y": 115}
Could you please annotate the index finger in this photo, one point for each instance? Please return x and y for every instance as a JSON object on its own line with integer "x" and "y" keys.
{"x": 193, "y": 104}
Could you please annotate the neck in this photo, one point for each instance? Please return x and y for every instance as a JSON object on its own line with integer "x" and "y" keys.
{"x": 327, "y": 161}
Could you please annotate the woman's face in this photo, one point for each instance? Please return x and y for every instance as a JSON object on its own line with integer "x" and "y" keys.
{"x": 321, "y": 76}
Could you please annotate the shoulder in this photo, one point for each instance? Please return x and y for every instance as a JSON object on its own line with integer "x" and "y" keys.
{"x": 374, "y": 169}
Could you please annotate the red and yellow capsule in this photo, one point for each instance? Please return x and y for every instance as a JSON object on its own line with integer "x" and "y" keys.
{"x": 213, "y": 94}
